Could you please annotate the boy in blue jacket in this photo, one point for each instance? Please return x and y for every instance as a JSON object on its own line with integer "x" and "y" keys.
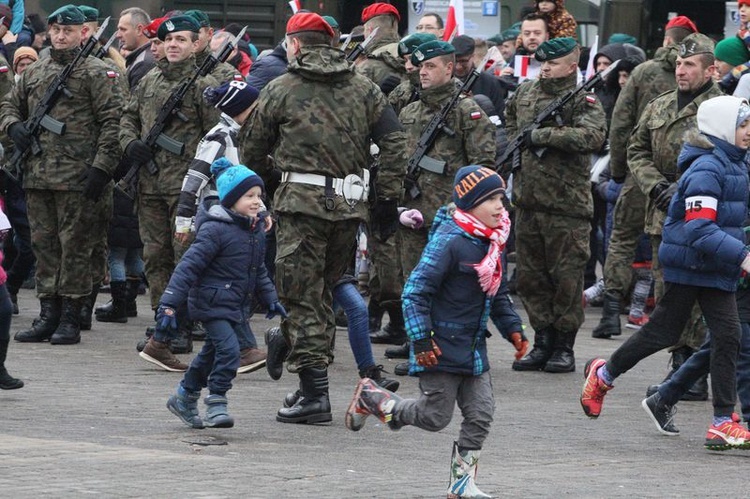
{"x": 447, "y": 301}
{"x": 702, "y": 252}
{"x": 217, "y": 276}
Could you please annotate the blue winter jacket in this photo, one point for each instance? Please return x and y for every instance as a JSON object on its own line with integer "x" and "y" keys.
{"x": 703, "y": 240}
{"x": 442, "y": 294}
{"x": 222, "y": 269}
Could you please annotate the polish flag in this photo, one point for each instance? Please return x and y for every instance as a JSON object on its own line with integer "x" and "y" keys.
{"x": 590, "y": 69}
{"x": 454, "y": 23}
{"x": 296, "y": 6}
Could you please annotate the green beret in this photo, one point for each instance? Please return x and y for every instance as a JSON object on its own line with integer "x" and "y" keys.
{"x": 67, "y": 15}
{"x": 695, "y": 44}
{"x": 622, "y": 38}
{"x": 90, "y": 13}
{"x": 430, "y": 50}
{"x": 510, "y": 34}
{"x": 555, "y": 48}
{"x": 409, "y": 43}
{"x": 177, "y": 23}
{"x": 332, "y": 22}
{"x": 200, "y": 17}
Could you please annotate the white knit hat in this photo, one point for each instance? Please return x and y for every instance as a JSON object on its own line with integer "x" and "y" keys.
{"x": 718, "y": 116}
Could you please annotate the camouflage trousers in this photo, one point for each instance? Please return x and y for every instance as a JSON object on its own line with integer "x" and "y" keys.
{"x": 312, "y": 255}
{"x": 694, "y": 333}
{"x": 552, "y": 252}
{"x": 411, "y": 244}
{"x": 629, "y": 216}
{"x": 161, "y": 252}
{"x": 63, "y": 241}
{"x": 386, "y": 280}
{"x": 100, "y": 230}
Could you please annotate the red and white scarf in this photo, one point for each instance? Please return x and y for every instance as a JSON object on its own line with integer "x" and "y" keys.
{"x": 490, "y": 269}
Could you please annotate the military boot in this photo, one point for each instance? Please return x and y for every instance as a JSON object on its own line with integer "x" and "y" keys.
{"x": 87, "y": 307}
{"x": 45, "y": 325}
{"x": 375, "y": 373}
{"x": 562, "y": 359}
{"x": 292, "y": 397}
{"x": 463, "y": 473}
{"x": 183, "y": 342}
{"x": 114, "y": 311}
{"x": 394, "y": 333}
{"x": 537, "y": 358}
{"x": 7, "y": 382}
{"x": 374, "y": 315}
{"x": 314, "y": 406}
{"x": 131, "y": 294}
{"x": 277, "y": 352}
{"x": 68, "y": 332}
{"x": 609, "y": 325}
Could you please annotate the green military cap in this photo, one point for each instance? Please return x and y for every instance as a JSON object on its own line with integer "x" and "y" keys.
{"x": 622, "y": 38}
{"x": 177, "y": 23}
{"x": 332, "y": 22}
{"x": 200, "y": 17}
{"x": 555, "y": 48}
{"x": 510, "y": 34}
{"x": 91, "y": 14}
{"x": 409, "y": 43}
{"x": 695, "y": 44}
{"x": 67, "y": 14}
{"x": 430, "y": 50}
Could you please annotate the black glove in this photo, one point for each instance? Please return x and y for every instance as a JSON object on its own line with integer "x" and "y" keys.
{"x": 139, "y": 152}
{"x": 95, "y": 181}
{"x": 384, "y": 218}
{"x": 388, "y": 83}
{"x": 527, "y": 142}
{"x": 20, "y": 135}
{"x": 663, "y": 198}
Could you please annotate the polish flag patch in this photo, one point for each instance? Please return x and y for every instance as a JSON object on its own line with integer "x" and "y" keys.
{"x": 112, "y": 74}
{"x": 476, "y": 115}
{"x": 700, "y": 207}
{"x": 3, "y": 69}
{"x": 591, "y": 99}
{"x": 238, "y": 78}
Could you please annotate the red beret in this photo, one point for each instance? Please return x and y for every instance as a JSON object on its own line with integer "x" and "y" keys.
{"x": 683, "y": 22}
{"x": 151, "y": 30}
{"x": 743, "y": 2}
{"x": 307, "y": 21}
{"x": 379, "y": 9}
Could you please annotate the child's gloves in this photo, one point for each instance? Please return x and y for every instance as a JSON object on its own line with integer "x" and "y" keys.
{"x": 426, "y": 351}
{"x": 165, "y": 318}
{"x": 411, "y": 218}
{"x": 274, "y": 309}
{"x": 520, "y": 343}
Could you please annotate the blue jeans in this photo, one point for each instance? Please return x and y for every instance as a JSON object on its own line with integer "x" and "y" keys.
{"x": 699, "y": 364}
{"x": 347, "y": 296}
{"x": 216, "y": 364}
{"x": 124, "y": 262}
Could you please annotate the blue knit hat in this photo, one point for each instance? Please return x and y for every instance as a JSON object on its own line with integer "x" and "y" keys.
{"x": 233, "y": 181}
{"x": 474, "y": 184}
{"x": 232, "y": 98}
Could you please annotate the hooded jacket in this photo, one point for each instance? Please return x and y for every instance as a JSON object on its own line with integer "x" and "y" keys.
{"x": 629, "y": 57}
{"x": 703, "y": 240}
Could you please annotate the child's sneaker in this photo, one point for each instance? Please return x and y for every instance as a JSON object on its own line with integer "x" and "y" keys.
{"x": 661, "y": 414}
{"x": 636, "y": 322}
{"x": 728, "y": 435}
{"x": 217, "y": 415}
{"x": 184, "y": 405}
{"x": 594, "y": 389}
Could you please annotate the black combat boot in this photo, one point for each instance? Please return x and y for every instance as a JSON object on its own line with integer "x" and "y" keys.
{"x": 131, "y": 293}
{"x": 68, "y": 332}
{"x": 374, "y": 315}
{"x": 537, "y": 358}
{"x": 87, "y": 307}
{"x": 394, "y": 333}
{"x": 45, "y": 325}
{"x": 375, "y": 373}
{"x": 115, "y": 310}
{"x": 562, "y": 359}
{"x": 183, "y": 342}
{"x": 7, "y": 382}
{"x": 314, "y": 406}
{"x": 278, "y": 350}
{"x": 609, "y": 325}
{"x": 401, "y": 352}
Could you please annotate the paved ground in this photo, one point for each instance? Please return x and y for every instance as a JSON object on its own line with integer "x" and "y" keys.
{"x": 91, "y": 421}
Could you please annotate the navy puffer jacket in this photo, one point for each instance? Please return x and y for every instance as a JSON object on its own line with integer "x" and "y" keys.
{"x": 703, "y": 237}
{"x": 222, "y": 269}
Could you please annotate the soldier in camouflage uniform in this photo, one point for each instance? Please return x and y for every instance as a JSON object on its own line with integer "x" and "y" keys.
{"x": 317, "y": 121}
{"x": 553, "y": 198}
{"x": 223, "y": 71}
{"x": 159, "y": 193}
{"x": 408, "y": 90}
{"x": 6, "y": 73}
{"x": 381, "y": 59}
{"x": 646, "y": 82}
{"x": 66, "y": 181}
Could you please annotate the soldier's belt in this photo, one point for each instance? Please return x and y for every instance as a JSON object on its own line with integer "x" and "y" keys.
{"x": 353, "y": 188}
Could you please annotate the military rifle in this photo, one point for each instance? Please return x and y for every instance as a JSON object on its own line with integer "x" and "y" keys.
{"x": 104, "y": 49}
{"x": 553, "y": 111}
{"x": 419, "y": 159}
{"x": 171, "y": 108}
{"x": 359, "y": 49}
{"x": 40, "y": 117}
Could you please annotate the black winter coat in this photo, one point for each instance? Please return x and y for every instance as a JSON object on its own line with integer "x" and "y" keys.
{"x": 123, "y": 228}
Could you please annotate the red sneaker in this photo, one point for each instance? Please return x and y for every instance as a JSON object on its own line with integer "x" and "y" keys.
{"x": 594, "y": 389}
{"x": 728, "y": 435}
{"x": 636, "y": 322}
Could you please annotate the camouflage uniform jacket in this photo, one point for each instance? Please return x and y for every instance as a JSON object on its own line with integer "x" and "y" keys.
{"x": 646, "y": 82}
{"x": 656, "y": 143}
{"x": 7, "y": 77}
{"x": 472, "y": 144}
{"x": 405, "y": 93}
{"x": 382, "y": 60}
{"x": 140, "y": 115}
{"x": 223, "y": 71}
{"x": 91, "y": 116}
{"x": 319, "y": 118}
{"x": 558, "y": 182}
